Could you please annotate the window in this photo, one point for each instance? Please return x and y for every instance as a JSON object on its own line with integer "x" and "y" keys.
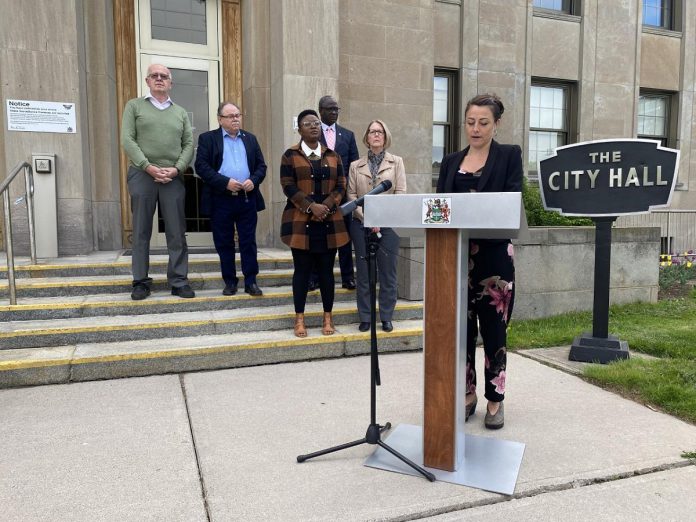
{"x": 549, "y": 119}
{"x": 654, "y": 121}
{"x": 563, "y": 6}
{"x": 659, "y": 13}
{"x": 445, "y": 126}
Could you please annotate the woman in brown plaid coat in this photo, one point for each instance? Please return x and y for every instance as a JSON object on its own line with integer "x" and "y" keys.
{"x": 313, "y": 180}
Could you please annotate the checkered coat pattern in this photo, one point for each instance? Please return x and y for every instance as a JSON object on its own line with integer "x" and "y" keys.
{"x": 296, "y": 178}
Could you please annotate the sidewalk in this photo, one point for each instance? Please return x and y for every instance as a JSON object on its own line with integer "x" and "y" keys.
{"x": 148, "y": 448}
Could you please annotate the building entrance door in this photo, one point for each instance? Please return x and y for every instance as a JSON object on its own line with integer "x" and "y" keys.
{"x": 183, "y": 36}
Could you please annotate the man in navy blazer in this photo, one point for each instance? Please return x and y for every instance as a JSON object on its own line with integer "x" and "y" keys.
{"x": 230, "y": 162}
{"x": 344, "y": 145}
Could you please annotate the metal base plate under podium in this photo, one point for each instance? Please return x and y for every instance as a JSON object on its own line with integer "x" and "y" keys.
{"x": 489, "y": 464}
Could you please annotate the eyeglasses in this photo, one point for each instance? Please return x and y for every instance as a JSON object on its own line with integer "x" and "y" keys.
{"x": 159, "y": 76}
{"x": 375, "y": 132}
{"x": 232, "y": 116}
{"x": 308, "y": 124}
{"x": 332, "y": 109}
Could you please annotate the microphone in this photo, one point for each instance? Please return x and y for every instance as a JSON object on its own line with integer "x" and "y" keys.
{"x": 349, "y": 207}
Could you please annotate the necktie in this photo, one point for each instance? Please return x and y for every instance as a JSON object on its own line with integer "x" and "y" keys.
{"x": 330, "y": 138}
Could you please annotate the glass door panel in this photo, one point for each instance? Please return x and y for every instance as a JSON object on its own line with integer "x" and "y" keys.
{"x": 179, "y": 26}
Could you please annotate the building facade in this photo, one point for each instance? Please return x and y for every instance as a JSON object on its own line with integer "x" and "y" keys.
{"x": 567, "y": 71}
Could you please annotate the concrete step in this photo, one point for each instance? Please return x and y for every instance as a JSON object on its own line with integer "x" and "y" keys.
{"x": 201, "y": 263}
{"x": 112, "y": 284}
{"x": 91, "y": 361}
{"x": 240, "y": 321}
{"x": 159, "y": 302}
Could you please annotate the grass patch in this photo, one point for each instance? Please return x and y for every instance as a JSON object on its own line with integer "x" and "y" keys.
{"x": 663, "y": 329}
{"x": 669, "y": 384}
{"x": 666, "y": 329}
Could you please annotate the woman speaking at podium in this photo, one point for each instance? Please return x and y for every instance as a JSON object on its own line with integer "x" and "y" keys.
{"x": 365, "y": 174}
{"x": 486, "y": 166}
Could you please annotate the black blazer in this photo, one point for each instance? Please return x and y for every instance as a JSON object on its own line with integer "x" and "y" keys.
{"x": 209, "y": 160}
{"x": 345, "y": 147}
{"x": 501, "y": 173}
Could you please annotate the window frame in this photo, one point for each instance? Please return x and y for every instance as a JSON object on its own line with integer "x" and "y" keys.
{"x": 573, "y": 8}
{"x": 669, "y": 138}
{"x": 452, "y": 123}
{"x": 571, "y": 115}
{"x": 674, "y": 21}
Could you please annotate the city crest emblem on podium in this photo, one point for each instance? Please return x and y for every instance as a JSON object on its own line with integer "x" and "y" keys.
{"x": 437, "y": 211}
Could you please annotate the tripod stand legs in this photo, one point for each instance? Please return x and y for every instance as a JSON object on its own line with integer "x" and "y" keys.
{"x": 415, "y": 466}
{"x": 372, "y": 437}
{"x": 368, "y": 439}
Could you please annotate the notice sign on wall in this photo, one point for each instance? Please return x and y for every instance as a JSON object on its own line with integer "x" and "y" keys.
{"x": 41, "y": 116}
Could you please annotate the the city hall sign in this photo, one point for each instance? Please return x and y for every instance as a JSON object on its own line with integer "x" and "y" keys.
{"x": 603, "y": 180}
{"x": 608, "y": 177}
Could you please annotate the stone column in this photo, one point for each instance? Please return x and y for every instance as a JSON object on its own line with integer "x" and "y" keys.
{"x": 42, "y": 58}
{"x": 303, "y": 67}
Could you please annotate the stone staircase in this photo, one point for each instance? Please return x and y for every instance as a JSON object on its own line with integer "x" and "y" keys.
{"x": 75, "y": 321}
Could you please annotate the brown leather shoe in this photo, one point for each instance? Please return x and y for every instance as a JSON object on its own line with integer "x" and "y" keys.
{"x": 328, "y": 327}
{"x": 300, "y": 329}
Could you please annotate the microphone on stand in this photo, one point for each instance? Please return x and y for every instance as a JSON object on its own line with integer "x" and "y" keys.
{"x": 349, "y": 207}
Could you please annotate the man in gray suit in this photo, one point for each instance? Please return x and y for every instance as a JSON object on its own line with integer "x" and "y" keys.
{"x": 157, "y": 137}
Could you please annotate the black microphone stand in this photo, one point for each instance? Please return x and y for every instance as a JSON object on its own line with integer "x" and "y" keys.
{"x": 374, "y": 430}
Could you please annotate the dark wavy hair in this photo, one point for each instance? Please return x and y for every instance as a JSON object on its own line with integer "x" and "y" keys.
{"x": 487, "y": 100}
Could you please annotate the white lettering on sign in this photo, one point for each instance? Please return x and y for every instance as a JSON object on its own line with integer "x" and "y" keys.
{"x": 570, "y": 179}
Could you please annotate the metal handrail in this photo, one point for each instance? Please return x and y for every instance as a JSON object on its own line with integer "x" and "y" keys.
{"x": 4, "y": 189}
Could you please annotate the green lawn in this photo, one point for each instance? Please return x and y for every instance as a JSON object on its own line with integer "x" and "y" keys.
{"x": 666, "y": 329}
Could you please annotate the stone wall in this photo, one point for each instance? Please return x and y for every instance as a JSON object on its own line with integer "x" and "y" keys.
{"x": 555, "y": 269}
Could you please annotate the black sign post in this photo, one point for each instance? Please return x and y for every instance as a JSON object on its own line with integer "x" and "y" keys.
{"x": 603, "y": 180}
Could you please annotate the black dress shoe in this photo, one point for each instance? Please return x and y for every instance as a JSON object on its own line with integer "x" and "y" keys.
{"x": 313, "y": 285}
{"x": 253, "y": 289}
{"x": 387, "y": 326}
{"x": 364, "y": 326}
{"x": 349, "y": 284}
{"x": 183, "y": 291}
{"x": 140, "y": 292}
{"x": 230, "y": 290}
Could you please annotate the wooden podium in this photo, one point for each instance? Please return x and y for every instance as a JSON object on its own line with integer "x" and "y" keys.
{"x": 450, "y": 221}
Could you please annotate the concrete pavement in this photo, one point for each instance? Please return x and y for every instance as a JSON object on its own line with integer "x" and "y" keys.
{"x": 221, "y": 446}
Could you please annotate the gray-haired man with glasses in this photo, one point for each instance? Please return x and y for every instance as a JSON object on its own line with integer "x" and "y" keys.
{"x": 156, "y": 135}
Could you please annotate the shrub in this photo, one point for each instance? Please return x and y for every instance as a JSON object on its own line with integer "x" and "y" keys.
{"x": 537, "y": 216}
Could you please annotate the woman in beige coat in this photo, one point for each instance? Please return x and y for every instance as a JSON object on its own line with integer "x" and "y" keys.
{"x": 366, "y": 173}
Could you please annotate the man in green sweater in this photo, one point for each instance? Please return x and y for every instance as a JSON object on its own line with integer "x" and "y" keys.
{"x": 156, "y": 135}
